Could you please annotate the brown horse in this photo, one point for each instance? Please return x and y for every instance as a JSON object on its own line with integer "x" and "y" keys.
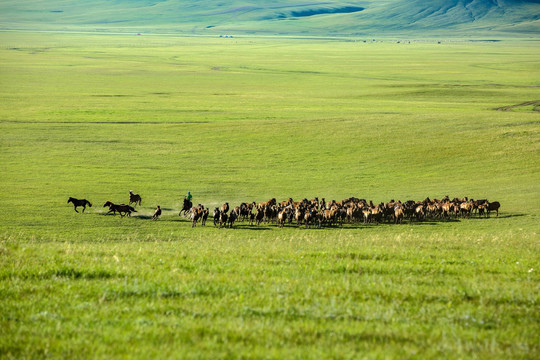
{"x": 157, "y": 213}
{"x": 281, "y": 217}
{"x": 196, "y": 214}
{"x": 398, "y": 214}
{"x": 225, "y": 207}
{"x": 79, "y": 202}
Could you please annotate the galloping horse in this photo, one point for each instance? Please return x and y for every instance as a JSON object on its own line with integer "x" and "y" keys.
{"x": 186, "y": 207}
{"x": 134, "y": 198}
{"x": 77, "y": 203}
{"x": 121, "y": 208}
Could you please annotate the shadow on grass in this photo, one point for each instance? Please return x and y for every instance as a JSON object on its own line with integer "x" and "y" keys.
{"x": 505, "y": 216}
{"x": 501, "y": 216}
{"x": 346, "y": 226}
{"x": 258, "y": 228}
{"x": 250, "y": 227}
{"x": 144, "y": 217}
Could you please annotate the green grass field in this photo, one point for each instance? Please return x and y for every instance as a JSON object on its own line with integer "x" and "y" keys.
{"x": 247, "y": 119}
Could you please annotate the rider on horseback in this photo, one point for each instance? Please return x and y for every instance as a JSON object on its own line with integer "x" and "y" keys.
{"x": 186, "y": 207}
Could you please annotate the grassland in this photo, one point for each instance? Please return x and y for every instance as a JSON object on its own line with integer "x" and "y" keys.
{"x": 246, "y": 119}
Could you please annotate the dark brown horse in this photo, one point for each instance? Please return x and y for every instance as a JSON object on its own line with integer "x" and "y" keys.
{"x": 186, "y": 207}
{"x": 134, "y": 198}
{"x": 157, "y": 213}
{"x": 493, "y": 206}
{"x": 205, "y": 214}
{"x": 79, "y": 202}
{"x": 121, "y": 208}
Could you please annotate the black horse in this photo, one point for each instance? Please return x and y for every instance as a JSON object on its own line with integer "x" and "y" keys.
{"x": 79, "y": 202}
{"x": 134, "y": 198}
{"x": 121, "y": 208}
{"x": 186, "y": 207}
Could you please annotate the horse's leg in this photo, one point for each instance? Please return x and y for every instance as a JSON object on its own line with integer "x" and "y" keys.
{"x": 83, "y": 208}
{"x": 76, "y": 209}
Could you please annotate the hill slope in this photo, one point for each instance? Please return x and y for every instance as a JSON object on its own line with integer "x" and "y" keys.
{"x": 404, "y": 17}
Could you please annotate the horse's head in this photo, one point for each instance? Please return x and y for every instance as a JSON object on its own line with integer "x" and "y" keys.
{"x": 70, "y": 200}
{"x": 108, "y": 203}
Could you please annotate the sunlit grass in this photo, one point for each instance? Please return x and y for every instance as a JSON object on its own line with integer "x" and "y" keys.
{"x": 246, "y": 120}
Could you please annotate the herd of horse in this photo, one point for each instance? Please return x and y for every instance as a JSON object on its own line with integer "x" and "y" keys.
{"x": 317, "y": 213}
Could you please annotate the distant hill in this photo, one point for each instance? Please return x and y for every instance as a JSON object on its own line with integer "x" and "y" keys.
{"x": 279, "y": 17}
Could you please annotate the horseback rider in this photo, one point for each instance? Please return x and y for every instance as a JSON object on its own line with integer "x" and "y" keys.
{"x": 189, "y": 196}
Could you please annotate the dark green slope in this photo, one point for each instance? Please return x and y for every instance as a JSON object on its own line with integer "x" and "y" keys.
{"x": 395, "y": 17}
{"x": 458, "y": 15}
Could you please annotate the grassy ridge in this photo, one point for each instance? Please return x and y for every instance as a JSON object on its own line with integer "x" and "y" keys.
{"x": 245, "y": 120}
{"x": 476, "y": 18}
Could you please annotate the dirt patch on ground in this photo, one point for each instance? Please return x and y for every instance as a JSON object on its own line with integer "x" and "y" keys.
{"x": 535, "y": 106}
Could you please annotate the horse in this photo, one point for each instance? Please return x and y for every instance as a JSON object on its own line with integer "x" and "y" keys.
{"x": 134, "y": 198}
{"x": 196, "y": 214}
{"x": 216, "y": 216}
{"x": 204, "y": 217}
{"x": 281, "y": 217}
{"x": 225, "y": 208}
{"x": 222, "y": 219}
{"x": 121, "y": 208}
{"x": 493, "y": 206}
{"x": 157, "y": 213}
{"x": 186, "y": 207}
{"x": 79, "y": 202}
{"x": 232, "y": 218}
{"x": 398, "y": 214}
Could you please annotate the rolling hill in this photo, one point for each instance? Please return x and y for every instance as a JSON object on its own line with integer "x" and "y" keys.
{"x": 281, "y": 17}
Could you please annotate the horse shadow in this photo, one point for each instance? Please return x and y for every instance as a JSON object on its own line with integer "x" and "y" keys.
{"x": 505, "y": 216}
{"x": 252, "y": 227}
{"x": 142, "y": 217}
